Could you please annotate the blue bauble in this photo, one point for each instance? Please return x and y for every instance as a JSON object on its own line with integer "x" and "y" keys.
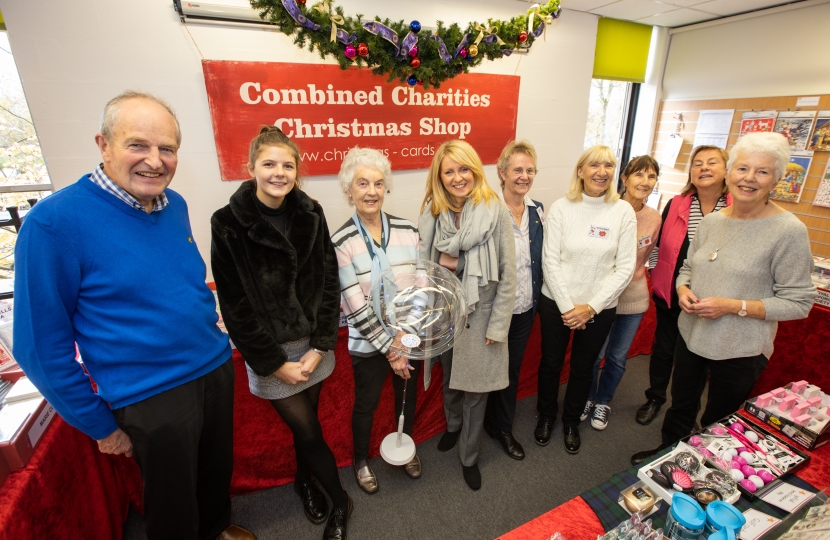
{"x": 415, "y": 26}
{"x": 412, "y": 80}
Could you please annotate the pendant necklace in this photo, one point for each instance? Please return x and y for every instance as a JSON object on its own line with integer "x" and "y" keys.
{"x": 714, "y": 255}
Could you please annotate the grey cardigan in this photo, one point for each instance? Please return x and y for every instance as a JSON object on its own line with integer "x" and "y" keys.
{"x": 768, "y": 260}
{"x": 477, "y": 367}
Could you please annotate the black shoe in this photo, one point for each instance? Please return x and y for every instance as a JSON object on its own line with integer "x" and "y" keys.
{"x": 339, "y": 519}
{"x": 640, "y": 457}
{"x": 648, "y": 412}
{"x": 314, "y": 502}
{"x": 511, "y": 446}
{"x": 472, "y": 476}
{"x": 572, "y": 440}
{"x": 544, "y": 427}
{"x": 448, "y": 440}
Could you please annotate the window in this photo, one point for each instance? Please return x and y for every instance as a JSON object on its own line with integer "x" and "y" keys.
{"x": 23, "y": 175}
{"x": 606, "y": 114}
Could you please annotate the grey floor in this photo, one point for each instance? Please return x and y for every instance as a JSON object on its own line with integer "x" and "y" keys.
{"x": 440, "y": 505}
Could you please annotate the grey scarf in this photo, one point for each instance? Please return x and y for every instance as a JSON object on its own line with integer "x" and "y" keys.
{"x": 475, "y": 239}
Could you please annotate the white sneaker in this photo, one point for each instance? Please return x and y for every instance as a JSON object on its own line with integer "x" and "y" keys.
{"x": 586, "y": 412}
{"x": 599, "y": 419}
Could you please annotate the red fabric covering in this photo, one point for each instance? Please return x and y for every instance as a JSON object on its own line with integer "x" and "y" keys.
{"x": 574, "y": 519}
{"x": 70, "y": 490}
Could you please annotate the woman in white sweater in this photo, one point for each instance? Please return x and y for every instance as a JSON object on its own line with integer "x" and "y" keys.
{"x": 588, "y": 260}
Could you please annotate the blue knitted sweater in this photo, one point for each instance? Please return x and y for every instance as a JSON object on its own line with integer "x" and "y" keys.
{"x": 127, "y": 286}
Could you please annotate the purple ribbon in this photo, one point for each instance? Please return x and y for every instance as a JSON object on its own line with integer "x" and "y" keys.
{"x": 344, "y": 37}
{"x": 383, "y": 31}
{"x": 409, "y": 41}
{"x": 442, "y": 48}
{"x": 541, "y": 27}
{"x": 294, "y": 10}
{"x": 461, "y": 45}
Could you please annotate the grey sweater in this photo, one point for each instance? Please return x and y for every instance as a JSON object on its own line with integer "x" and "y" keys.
{"x": 769, "y": 260}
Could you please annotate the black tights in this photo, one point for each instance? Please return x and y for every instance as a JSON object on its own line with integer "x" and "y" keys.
{"x": 299, "y": 412}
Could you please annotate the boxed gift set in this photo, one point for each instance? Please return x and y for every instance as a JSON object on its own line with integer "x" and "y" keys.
{"x": 799, "y": 410}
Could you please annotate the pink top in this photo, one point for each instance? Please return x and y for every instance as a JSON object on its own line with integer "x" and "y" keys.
{"x": 635, "y": 299}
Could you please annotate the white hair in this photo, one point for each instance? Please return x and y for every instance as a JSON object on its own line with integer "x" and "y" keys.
{"x": 363, "y": 157}
{"x": 774, "y": 145}
{"x": 113, "y": 107}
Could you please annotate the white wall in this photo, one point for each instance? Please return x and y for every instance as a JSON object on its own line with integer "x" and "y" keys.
{"x": 74, "y": 55}
{"x": 781, "y": 54}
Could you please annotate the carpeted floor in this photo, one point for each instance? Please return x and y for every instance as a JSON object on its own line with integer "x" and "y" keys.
{"x": 441, "y": 506}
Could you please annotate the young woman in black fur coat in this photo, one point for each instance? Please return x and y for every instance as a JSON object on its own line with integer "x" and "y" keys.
{"x": 279, "y": 291}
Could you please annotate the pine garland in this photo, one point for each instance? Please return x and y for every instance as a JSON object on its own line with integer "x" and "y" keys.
{"x": 383, "y": 57}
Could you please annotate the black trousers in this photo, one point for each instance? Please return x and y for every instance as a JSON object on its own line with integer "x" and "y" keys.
{"x": 501, "y": 404}
{"x": 183, "y": 443}
{"x": 586, "y": 346}
{"x": 662, "y": 351}
{"x": 369, "y": 375}
{"x": 730, "y": 382}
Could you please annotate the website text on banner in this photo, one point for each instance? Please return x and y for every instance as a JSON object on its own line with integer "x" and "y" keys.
{"x": 327, "y": 111}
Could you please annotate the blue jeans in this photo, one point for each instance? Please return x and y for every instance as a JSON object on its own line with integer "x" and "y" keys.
{"x": 615, "y": 352}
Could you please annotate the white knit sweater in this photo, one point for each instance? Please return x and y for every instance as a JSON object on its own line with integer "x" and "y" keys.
{"x": 589, "y": 253}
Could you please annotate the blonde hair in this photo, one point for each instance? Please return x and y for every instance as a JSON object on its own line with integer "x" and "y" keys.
{"x": 515, "y": 147}
{"x": 464, "y": 154}
{"x": 596, "y": 153}
{"x": 690, "y": 187}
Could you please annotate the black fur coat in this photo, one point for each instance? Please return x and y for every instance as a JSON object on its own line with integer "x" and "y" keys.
{"x": 273, "y": 288}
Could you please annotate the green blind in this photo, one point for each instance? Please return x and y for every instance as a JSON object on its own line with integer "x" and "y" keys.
{"x": 622, "y": 50}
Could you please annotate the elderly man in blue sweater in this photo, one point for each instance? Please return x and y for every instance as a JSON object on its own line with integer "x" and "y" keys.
{"x": 109, "y": 263}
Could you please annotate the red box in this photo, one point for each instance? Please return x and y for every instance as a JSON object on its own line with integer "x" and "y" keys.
{"x": 17, "y": 451}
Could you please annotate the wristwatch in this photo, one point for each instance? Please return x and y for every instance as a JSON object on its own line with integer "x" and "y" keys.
{"x": 323, "y": 353}
{"x": 742, "y": 311}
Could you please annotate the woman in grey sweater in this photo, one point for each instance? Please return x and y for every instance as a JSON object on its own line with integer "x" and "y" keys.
{"x": 748, "y": 267}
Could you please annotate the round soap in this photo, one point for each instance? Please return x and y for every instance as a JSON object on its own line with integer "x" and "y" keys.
{"x": 695, "y": 441}
{"x": 736, "y": 475}
{"x": 749, "y": 486}
{"x": 735, "y": 426}
{"x": 750, "y": 458}
{"x": 718, "y": 430}
{"x": 756, "y": 480}
{"x": 740, "y": 460}
{"x": 766, "y": 476}
{"x": 735, "y": 465}
{"x": 726, "y": 455}
{"x": 705, "y": 452}
{"x": 748, "y": 471}
{"x": 752, "y": 436}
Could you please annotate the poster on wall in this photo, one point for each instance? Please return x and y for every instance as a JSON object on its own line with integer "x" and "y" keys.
{"x": 823, "y": 193}
{"x": 327, "y": 111}
{"x": 795, "y": 126}
{"x": 713, "y": 127}
{"x": 820, "y": 140}
{"x": 757, "y": 121}
{"x": 790, "y": 187}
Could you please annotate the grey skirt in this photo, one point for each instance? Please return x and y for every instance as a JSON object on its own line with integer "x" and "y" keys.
{"x": 271, "y": 387}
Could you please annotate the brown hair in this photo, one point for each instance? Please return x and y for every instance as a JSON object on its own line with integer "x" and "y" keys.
{"x": 642, "y": 163}
{"x": 515, "y": 147}
{"x": 724, "y": 155}
{"x": 436, "y": 195}
{"x": 273, "y": 136}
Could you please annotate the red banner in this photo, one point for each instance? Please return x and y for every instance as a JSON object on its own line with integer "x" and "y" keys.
{"x": 327, "y": 110}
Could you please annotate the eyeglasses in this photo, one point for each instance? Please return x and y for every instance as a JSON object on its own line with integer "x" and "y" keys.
{"x": 518, "y": 172}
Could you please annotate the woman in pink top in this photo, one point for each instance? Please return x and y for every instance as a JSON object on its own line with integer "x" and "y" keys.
{"x": 639, "y": 179}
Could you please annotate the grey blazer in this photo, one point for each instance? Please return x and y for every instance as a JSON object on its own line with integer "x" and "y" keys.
{"x": 478, "y": 367}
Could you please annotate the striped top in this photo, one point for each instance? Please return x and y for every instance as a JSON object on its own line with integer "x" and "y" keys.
{"x": 695, "y": 215}
{"x": 365, "y": 337}
{"x": 102, "y": 180}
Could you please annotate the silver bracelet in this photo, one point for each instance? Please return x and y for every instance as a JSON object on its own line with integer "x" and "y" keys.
{"x": 318, "y": 351}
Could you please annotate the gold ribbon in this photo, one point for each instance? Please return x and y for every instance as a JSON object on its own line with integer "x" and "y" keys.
{"x": 536, "y": 11}
{"x": 483, "y": 30}
{"x": 325, "y": 9}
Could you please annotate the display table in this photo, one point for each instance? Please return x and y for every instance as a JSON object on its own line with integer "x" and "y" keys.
{"x": 70, "y": 490}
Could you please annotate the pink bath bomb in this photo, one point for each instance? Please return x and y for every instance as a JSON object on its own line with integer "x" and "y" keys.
{"x": 735, "y": 426}
{"x": 705, "y": 452}
{"x": 718, "y": 430}
{"x": 738, "y": 459}
{"x": 748, "y": 485}
{"x": 766, "y": 476}
{"x": 695, "y": 441}
{"x": 757, "y": 481}
{"x": 735, "y": 465}
{"x": 748, "y": 471}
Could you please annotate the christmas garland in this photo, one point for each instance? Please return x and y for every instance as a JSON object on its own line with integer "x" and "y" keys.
{"x": 398, "y": 49}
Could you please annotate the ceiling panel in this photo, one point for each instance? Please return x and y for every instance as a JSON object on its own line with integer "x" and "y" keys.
{"x": 732, "y": 7}
{"x": 683, "y": 3}
{"x": 634, "y": 9}
{"x": 678, "y": 17}
{"x": 588, "y": 5}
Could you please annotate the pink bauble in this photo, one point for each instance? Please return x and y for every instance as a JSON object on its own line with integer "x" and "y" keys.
{"x": 735, "y": 426}
{"x": 749, "y": 486}
{"x": 350, "y": 51}
{"x": 766, "y": 476}
{"x": 413, "y": 52}
{"x": 463, "y": 52}
{"x": 695, "y": 440}
{"x": 748, "y": 471}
